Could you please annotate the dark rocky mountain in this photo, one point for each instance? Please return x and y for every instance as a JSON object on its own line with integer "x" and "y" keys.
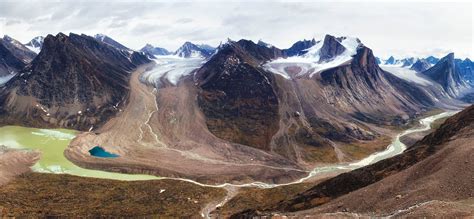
{"x": 390, "y": 61}
{"x": 420, "y": 65}
{"x": 378, "y": 60}
{"x": 432, "y": 60}
{"x": 237, "y": 96}
{"x": 299, "y": 48}
{"x": 106, "y": 39}
{"x": 75, "y": 82}
{"x": 331, "y": 48}
{"x": 152, "y": 51}
{"x": 190, "y": 50}
{"x": 405, "y": 180}
{"x": 447, "y": 73}
{"x": 246, "y": 104}
{"x": 13, "y": 56}
{"x": 407, "y": 62}
{"x": 262, "y": 43}
{"x": 35, "y": 44}
{"x": 466, "y": 69}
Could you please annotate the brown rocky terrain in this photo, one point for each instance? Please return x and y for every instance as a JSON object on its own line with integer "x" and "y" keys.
{"x": 430, "y": 173}
{"x": 71, "y": 196}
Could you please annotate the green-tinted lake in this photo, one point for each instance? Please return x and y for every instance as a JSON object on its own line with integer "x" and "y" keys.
{"x": 52, "y": 143}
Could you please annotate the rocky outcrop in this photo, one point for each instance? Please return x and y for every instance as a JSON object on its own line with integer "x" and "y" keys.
{"x": 331, "y": 48}
{"x": 75, "y": 82}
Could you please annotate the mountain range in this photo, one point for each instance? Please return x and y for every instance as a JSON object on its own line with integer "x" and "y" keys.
{"x": 249, "y": 113}
{"x": 329, "y": 100}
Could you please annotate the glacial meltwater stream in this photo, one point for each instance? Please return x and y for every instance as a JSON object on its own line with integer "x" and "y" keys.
{"x": 52, "y": 143}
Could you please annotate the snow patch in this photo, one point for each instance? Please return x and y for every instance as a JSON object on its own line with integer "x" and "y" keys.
{"x": 36, "y": 50}
{"x": 408, "y": 74}
{"x": 310, "y": 63}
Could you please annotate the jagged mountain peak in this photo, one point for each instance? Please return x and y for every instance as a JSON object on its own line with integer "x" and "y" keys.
{"x": 300, "y": 48}
{"x": 420, "y": 65}
{"x": 152, "y": 51}
{"x": 35, "y": 44}
{"x": 191, "y": 50}
{"x": 331, "y": 47}
{"x": 447, "y": 73}
{"x": 108, "y": 40}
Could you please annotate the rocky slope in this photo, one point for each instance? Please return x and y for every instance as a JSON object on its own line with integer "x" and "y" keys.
{"x": 75, "y": 82}
{"x": 13, "y": 56}
{"x": 433, "y": 169}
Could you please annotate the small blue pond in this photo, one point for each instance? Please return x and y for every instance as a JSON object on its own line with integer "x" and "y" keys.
{"x": 98, "y": 151}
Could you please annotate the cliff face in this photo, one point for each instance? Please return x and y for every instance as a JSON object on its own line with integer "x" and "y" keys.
{"x": 75, "y": 82}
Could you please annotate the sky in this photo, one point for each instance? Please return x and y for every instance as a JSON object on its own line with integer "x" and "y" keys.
{"x": 399, "y": 28}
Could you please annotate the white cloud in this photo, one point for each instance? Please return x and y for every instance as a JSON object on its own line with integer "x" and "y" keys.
{"x": 388, "y": 27}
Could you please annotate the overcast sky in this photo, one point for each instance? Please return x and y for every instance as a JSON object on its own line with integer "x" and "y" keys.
{"x": 398, "y": 28}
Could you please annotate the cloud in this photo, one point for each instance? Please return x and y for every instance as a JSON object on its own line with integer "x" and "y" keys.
{"x": 389, "y": 28}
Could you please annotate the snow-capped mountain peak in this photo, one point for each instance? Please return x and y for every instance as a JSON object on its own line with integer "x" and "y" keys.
{"x": 324, "y": 54}
{"x": 190, "y": 50}
{"x": 152, "y": 51}
{"x": 35, "y": 44}
{"x": 331, "y": 48}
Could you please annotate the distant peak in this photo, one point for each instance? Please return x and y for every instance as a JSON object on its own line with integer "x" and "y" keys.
{"x": 61, "y": 35}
